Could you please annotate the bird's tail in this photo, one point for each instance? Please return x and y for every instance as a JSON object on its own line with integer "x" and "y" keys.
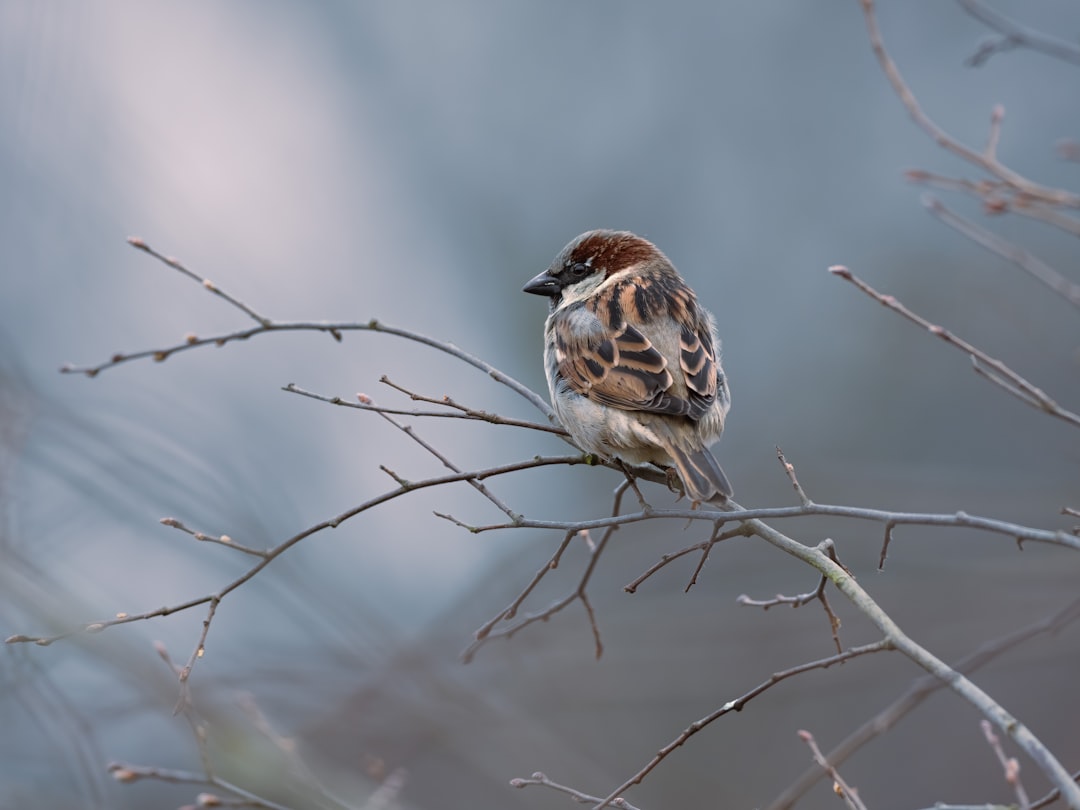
{"x": 701, "y": 475}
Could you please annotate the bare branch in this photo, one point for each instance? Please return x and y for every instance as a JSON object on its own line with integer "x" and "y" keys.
{"x": 272, "y": 554}
{"x": 487, "y": 631}
{"x": 1052, "y": 796}
{"x": 840, "y": 787}
{"x": 818, "y": 594}
{"x": 175, "y": 264}
{"x": 1014, "y": 35}
{"x": 961, "y": 685}
{"x": 223, "y": 540}
{"x": 889, "y": 526}
{"x": 1009, "y": 765}
{"x": 737, "y": 705}
{"x": 717, "y": 536}
{"x": 996, "y": 371}
{"x": 1014, "y": 530}
{"x": 789, "y": 470}
{"x": 987, "y": 163}
{"x": 997, "y": 199}
{"x": 919, "y": 691}
{"x": 1032, "y": 265}
{"x": 582, "y": 798}
{"x": 128, "y": 773}
{"x": 333, "y": 329}
{"x": 364, "y": 403}
{"x": 200, "y": 650}
{"x": 473, "y": 482}
{"x": 714, "y": 538}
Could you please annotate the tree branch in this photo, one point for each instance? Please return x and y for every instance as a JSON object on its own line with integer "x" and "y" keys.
{"x": 991, "y": 368}
{"x": 988, "y": 162}
{"x": 1014, "y": 35}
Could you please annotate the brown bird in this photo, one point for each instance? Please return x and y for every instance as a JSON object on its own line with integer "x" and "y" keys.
{"x": 632, "y": 359}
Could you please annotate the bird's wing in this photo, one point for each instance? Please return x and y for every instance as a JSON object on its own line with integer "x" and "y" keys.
{"x": 618, "y": 365}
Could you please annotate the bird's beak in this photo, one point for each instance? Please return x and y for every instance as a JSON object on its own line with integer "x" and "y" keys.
{"x": 543, "y": 284}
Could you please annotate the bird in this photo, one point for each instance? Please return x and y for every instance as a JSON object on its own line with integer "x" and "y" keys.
{"x": 633, "y": 360}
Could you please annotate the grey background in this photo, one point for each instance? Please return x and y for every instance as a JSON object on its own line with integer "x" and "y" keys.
{"x": 418, "y": 162}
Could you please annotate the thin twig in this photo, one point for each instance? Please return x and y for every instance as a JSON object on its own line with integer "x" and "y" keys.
{"x": 1014, "y": 35}
{"x": 1009, "y": 765}
{"x": 997, "y": 198}
{"x": 741, "y": 531}
{"x": 474, "y": 483}
{"x": 918, "y": 692}
{"x": 176, "y": 264}
{"x": 487, "y": 631}
{"x": 841, "y": 788}
{"x": 818, "y": 594}
{"x": 889, "y": 526}
{"x": 223, "y": 540}
{"x": 364, "y": 403}
{"x": 992, "y": 368}
{"x": 737, "y": 705}
{"x": 1052, "y": 796}
{"x": 1010, "y": 726}
{"x": 333, "y": 329}
{"x": 275, "y": 552}
{"x": 287, "y": 747}
{"x": 789, "y": 470}
{"x": 717, "y": 536}
{"x": 199, "y": 651}
{"x": 127, "y": 773}
{"x": 582, "y": 798}
{"x": 1032, "y": 265}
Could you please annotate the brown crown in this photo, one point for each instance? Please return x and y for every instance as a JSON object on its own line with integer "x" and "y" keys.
{"x": 611, "y": 251}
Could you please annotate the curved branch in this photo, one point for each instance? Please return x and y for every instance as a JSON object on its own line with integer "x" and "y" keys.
{"x": 265, "y": 325}
{"x": 984, "y": 160}
{"x": 983, "y": 703}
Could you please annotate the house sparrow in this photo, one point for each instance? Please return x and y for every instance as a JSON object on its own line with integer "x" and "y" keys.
{"x": 632, "y": 360}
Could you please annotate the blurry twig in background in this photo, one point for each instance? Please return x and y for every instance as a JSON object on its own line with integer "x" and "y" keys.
{"x": 841, "y": 788}
{"x": 1009, "y": 765}
{"x": 1014, "y": 35}
{"x": 303, "y": 778}
{"x": 986, "y": 160}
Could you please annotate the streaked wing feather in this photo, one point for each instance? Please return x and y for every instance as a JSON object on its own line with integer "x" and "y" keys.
{"x": 698, "y": 364}
{"x": 623, "y": 370}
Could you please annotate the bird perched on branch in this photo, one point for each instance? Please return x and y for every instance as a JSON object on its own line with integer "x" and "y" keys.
{"x": 632, "y": 359}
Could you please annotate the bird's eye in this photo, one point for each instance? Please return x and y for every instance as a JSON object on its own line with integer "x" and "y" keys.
{"x": 579, "y": 270}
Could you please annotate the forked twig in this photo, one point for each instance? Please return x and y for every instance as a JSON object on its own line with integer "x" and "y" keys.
{"x": 488, "y": 631}
{"x": 984, "y": 160}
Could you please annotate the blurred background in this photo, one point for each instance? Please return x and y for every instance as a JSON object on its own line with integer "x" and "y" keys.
{"x": 417, "y": 163}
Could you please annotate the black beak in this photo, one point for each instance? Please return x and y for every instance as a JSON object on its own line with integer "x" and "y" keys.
{"x": 543, "y": 284}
